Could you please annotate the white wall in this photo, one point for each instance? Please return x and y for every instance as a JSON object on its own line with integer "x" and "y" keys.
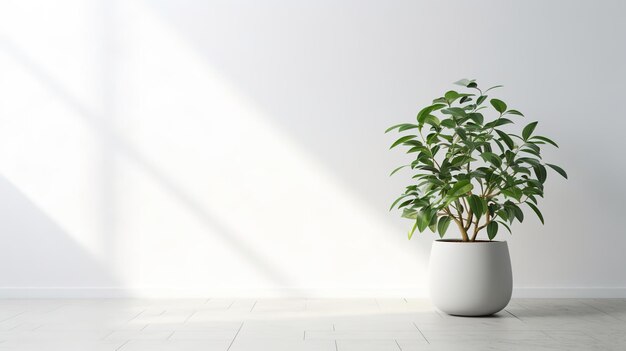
{"x": 208, "y": 148}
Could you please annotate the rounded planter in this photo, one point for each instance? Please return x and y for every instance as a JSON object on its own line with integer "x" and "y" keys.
{"x": 470, "y": 278}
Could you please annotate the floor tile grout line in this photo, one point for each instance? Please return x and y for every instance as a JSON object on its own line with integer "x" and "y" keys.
{"x": 423, "y": 336}
{"x": 231, "y": 305}
{"x": 13, "y": 316}
{"x": 336, "y": 347}
{"x": 109, "y": 334}
{"x": 599, "y": 310}
{"x": 398, "y": 344}
{"x": 124, "y": 344}
{"x": 235, "y": 337}
{"x": 189, "y": 317}
{"x": 137, "y": 315}
{"x": 511, "y": 313}
{"x": 169, "y": 337}
{"x": 207, "y": 301}
{"x": 591, "y": 335}
{"x": 304, "y": 336}
{"x": 253, "y": 305}
{"x": 548, "y": 335}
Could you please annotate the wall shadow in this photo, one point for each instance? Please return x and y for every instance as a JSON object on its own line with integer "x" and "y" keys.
{"x": 37, "y": 252}
{"x": 310, "y": 81}
{"x": 120, "y": 147}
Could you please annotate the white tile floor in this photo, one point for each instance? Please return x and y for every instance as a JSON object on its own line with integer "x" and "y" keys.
{"x": 306, "y": 324}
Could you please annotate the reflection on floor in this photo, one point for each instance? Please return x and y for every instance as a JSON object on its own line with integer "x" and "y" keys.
{"x": 307, "y": 324}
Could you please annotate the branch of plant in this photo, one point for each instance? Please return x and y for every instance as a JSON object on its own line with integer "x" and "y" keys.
{"x": 431, "y": 155}
{"x": 458, "y": 222}
{"x": 468, "y": 220}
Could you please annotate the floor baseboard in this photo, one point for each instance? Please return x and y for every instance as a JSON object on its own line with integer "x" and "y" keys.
{"x": 562, "y": 292}
{"x": 104, "y": 292}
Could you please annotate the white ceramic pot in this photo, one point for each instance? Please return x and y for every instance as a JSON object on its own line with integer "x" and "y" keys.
{"x": 470, "y": 278}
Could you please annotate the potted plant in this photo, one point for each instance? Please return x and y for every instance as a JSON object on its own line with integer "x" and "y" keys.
{"x": 470, "y": 170}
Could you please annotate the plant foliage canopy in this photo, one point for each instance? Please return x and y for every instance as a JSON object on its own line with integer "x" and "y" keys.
{"x": 468, "y": 169}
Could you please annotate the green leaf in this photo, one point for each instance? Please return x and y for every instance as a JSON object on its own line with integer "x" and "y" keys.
{"x": 451, "y": 95}
{"x": 409, "y": 213}
{"x": 530, "y": 161}
{"x": 510, "y": 159}
{"x": 412, "y": 230}
{"x": 499, "y": 144}
{"x": 501, "y": 122}
{"x": 448, "y": 123}
{"x": 534, "y": 208}
{"x": 432, "y": 120}
{"x": 463, "y": 82}
{"x": 465, "y": 99}
{"x": 461, "y": 187}
{"x": 544, "y": 139}
{"x": 476, "y": 117}
{"x": 528, "y": 130}
{"x": 433, "y": 224}
{"x": 499, "y": 105}
{"x": 481, "y": 99}
{"x": 398, "y": 200}
{"x": 405, "y": 203}
{"x": 514, "y": 112}
{"x": 541, "y": 173}
{"x": 492, "y": 230}
{"x": 394, "y": 127}
{"x": 513, "y": 192}
{"x": 460, "y": 160}
{"x": 506, "y": 226}
{"x": 432, "y": 138}
{"x": 415, "y": 149}
{"x": 427, "y": 111}
{"x": 397, "y": 169}
{"x": 531, "y": 151}
{"x": 401, "y": 127}
{"x": 461, "y": 132}
{"x": 476, "y": 205}
{"x": 518, "y": 213}
{"x": 429, "y": 168}
{"x": 402, "y": 140}
{"x": 442, "y": 227}
{"x": 407, "y": 127}
{"x": 506, "y": 138}
{"x": 492, "y": 158}
{"x": 423, "y": 219}
{"x": 454, "y": 111}
{"x": 558, "y": 169}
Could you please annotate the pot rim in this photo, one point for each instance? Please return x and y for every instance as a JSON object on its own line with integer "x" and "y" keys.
{"x": 459, "y": 241}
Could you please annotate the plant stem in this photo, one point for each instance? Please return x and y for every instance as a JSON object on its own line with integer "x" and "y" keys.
{"x": 468, "y": 221}
{"x": 459, "y": 223}
{"x": 479, "y": 228}
{"x": 464, "y": 235}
